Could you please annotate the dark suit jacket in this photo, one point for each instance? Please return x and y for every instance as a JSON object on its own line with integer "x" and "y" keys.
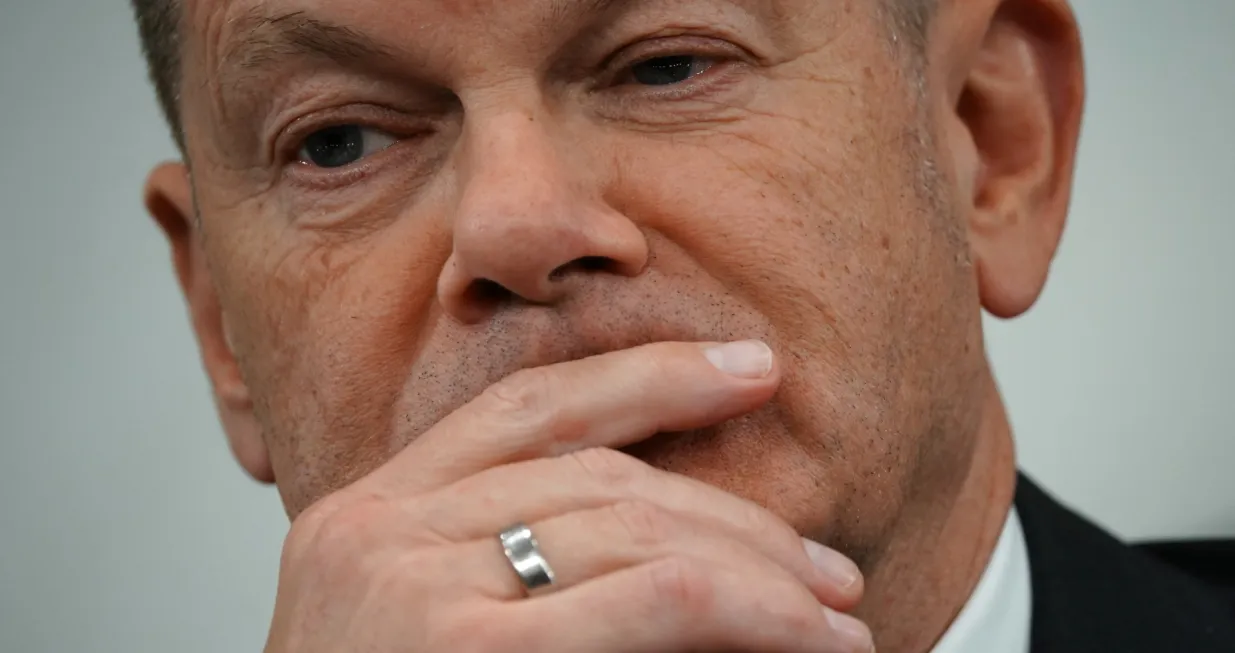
{"x": 1095, "y": 594}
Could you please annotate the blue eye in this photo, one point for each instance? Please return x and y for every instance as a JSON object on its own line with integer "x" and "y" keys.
{"x": 666, "y": 71}
{"x": 343, "y": 145}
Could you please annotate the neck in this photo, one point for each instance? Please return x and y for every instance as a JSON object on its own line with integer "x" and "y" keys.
{"x": 941, "y": 549}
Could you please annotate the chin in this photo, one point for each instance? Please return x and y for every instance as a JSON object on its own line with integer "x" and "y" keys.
{"x": 755, "y": 457}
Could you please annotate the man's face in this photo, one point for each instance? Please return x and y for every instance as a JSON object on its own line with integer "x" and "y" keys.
{"x": 401, "y": 202}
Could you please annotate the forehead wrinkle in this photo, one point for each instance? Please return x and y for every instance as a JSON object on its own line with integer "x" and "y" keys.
{"x": 256, "y": 39}
{"x": 270, "y": 38}
{"x": 267, "y": 38}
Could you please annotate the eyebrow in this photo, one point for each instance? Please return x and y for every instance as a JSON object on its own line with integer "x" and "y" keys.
{"x": 269, "y": 39}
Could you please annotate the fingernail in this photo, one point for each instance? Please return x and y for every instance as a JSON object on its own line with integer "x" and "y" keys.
{"x": 749, "y": 359}
{"x": 852, "y": 634}
{"x": 839, "y": 569}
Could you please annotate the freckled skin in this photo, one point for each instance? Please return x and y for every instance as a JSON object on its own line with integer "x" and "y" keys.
{"x": 808, "y": 200}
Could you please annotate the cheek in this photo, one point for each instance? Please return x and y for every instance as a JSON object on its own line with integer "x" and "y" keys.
{"x": 815, "y": 219}
{"x": 804, "y": 215}
{"x": 327, "y": 323}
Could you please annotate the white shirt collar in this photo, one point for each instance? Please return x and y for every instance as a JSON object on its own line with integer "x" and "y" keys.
{"x": 997, "y": 615}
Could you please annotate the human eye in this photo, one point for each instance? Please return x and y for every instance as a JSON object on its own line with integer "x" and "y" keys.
{"x": 342, "y": 145}
{"x": 668, "y": 70}
{"x": 681, "y": 67}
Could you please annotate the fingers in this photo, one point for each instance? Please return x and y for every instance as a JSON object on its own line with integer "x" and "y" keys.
{"x": 682, "y": 604}
{"x": 645, "y": 561}
{"x": 477, "y": 508}
{"x": 584, "y": 545}
{"x": 669, "y": 564}
{"x": 610, "y": 400}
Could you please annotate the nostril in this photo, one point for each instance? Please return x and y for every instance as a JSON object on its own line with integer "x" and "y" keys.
{"x": 596, "y": 263}
{"x": 488, "y": 293}
{"x": 584, "y": 264}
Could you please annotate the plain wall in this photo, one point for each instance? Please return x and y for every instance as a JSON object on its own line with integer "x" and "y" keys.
{"x": 125, "y": 526}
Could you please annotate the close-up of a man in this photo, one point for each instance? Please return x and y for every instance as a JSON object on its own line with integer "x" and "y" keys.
{"x": 644, "y": 325}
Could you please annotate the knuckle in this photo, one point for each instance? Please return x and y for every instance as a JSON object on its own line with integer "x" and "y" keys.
{"x": 752, "y": 518}
{"x": 306, "y": 526}
{"x": 609, "y": 467}
{"x": 755, "y": 519}
{"x": 333, "y": 533}
{"x": 525, "y": 396}
{"x": 802, "y": 618}
{"x": 666, "y": 364}
{"x": 685, "y": 586}
{"x": 645, "y": 524}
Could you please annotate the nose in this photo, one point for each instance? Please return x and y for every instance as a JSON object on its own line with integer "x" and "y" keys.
{"x": 528, "y": 227}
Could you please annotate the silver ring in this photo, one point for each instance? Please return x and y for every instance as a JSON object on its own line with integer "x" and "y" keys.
{"x": 523, "y": 552}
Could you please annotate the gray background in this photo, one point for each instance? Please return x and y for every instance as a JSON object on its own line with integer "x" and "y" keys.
{"x": 125, "y": 526}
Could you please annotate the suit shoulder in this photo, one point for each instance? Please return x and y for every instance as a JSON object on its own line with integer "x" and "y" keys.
{"x": 1093, "y": 592}
{"x": 1211, "y": 561}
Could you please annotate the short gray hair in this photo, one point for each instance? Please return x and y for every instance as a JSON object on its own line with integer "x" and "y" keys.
{"x": 911, "y": 19}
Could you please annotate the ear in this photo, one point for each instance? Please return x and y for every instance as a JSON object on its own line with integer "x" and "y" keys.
{"x": 169, "y": 199}
{"x": 1016, "y": 116}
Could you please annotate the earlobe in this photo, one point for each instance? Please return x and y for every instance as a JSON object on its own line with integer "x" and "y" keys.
{"x": 169, "y": 200}
{"x": 1020, "y": 111}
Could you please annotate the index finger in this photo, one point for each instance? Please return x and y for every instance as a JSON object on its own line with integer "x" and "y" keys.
{"x": 610, "y": 400}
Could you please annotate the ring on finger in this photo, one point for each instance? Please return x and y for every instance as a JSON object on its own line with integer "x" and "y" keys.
{"x": 523, "y": 552}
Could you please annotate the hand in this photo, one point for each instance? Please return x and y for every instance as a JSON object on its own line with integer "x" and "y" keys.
{"x": 408, "y": 558}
